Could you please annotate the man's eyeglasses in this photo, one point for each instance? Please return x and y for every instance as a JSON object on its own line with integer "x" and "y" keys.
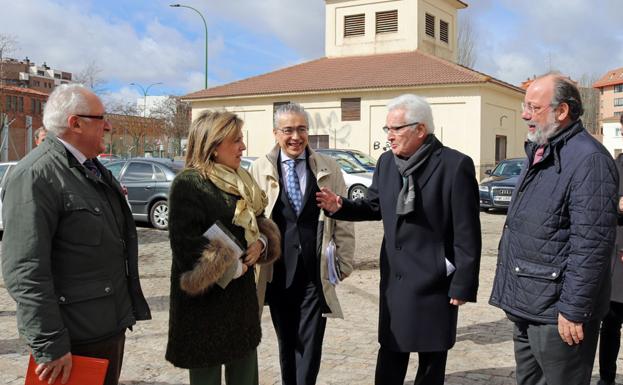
{"x": 396, "y": 129}
{"x": 534, "y": 110}
{"x": 302, "y": 130}
{"x": 98, "y": 117}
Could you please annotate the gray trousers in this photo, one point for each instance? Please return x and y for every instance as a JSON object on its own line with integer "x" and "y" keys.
{"x": 544, "y": 359}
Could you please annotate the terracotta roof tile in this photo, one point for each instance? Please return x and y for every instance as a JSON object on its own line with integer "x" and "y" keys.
{"x": 404, "y": 69}
{"x": 611, "y": 78}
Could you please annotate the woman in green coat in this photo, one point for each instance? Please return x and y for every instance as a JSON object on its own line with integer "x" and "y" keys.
{"x": 214, "y": 316}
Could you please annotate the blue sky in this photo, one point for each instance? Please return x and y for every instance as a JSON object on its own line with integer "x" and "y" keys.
{"x": 146, "y": 41}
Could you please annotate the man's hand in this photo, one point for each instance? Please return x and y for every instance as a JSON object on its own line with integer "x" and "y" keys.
{"x": 621, "y": 204}
{"x": 253, "y": 253}
{"x": 54, "y": 368}
{"x": 570, "y": 332}
{"x": 328, "y": 200}
{"x": 457, "y": 302}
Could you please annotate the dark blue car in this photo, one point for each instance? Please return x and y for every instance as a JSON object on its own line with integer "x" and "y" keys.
{"x": 496, "y": 189}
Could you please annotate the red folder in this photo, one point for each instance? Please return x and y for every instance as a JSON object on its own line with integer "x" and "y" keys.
{"x": 84, "y": 371}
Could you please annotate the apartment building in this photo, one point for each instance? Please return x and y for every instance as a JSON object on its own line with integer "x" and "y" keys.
{"x": 610, "y": 88}
{"x": 21, "y": 110}
{"x": 27, "y": 74}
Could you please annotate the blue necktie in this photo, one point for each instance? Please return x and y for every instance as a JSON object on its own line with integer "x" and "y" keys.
{"x": 90, "y": 165}
{"x": 293, "y": 186}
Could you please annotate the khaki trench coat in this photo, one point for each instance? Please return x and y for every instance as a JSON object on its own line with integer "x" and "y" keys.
{"x": 328, "y": 174}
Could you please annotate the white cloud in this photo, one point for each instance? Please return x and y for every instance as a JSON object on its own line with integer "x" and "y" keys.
{"x": 574, "y": 36}
{"x": 67, "y": 37}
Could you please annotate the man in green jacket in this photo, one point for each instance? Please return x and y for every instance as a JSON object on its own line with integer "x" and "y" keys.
{"x": 70, "y": 250}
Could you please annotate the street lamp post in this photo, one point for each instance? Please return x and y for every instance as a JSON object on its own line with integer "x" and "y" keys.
{"x": 145, "y": 91}
{"x": 206, "y": 30}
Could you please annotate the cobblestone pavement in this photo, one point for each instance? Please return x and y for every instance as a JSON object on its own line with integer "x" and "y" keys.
{"x": 482, "y": 354}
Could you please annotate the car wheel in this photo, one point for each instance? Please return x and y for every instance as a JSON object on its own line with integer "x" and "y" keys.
{"x": 358, "y": 191}
{"x": 159, "y": 215}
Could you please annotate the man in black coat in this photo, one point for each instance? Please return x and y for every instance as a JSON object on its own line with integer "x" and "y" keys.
{"x": 552, "y": 276}
{"x": 427, "y": 196}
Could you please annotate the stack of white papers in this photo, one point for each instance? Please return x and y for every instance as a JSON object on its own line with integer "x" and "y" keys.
{"x": 333, "y": 264}
{"x": 219, "y": 232}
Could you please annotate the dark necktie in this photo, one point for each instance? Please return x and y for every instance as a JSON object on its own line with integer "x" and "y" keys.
{"x": 293, "y": 186}
{"x": 90, "y": 165}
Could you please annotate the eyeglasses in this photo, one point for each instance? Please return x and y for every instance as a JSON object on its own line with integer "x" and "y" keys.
{"x": 534, "y": 110}
{"x": 98, "y": 117}
{"x": 396, "y": 129}
{"x": 302, "y": 130}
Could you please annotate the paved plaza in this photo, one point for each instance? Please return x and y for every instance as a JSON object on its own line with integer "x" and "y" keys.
{"x": 482, "y": 354}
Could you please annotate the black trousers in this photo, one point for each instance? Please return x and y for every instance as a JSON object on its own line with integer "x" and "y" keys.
{"x": 296, "y": 313}
{"x": 110, "y": 349}
{"x": 544, "y": 358}
{"x": 610, "y": 341}
{"x": 391, "y": 367}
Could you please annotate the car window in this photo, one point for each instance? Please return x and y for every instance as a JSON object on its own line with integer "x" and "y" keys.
{"x": 159, "y": 174}
{"x": 115, "y": 168}
{"x": 509, "y": 168}
{"x": 364, "y": 158}
{"x": 348, "y": 166}
{"x": 138, "y": 172}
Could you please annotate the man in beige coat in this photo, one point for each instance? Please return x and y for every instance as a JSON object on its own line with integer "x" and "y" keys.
{"x": 298, "y": 288}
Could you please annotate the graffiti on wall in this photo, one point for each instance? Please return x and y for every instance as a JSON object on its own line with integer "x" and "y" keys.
{"x": 331, "y": 125}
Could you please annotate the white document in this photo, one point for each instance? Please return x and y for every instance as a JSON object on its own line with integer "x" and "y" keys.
{"x": 218, "y": 232}
{"x": 449, "y": 267}
{"x": 333, "y": 264}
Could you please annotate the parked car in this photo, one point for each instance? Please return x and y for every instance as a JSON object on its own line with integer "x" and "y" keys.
{"x": 148, "y": 181}
{"x": 362, "y": 159}
{"x": 356, "y": 177}
{"x": 5, "y": 170}
{"x": 496, "y": 189}
{"x": 246, "y": 161}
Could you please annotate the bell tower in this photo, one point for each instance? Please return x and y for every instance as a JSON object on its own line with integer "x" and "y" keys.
{"x": 368, "y": 27}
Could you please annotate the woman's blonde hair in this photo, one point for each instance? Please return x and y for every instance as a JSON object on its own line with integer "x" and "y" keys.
{"x": 207, "y": 131}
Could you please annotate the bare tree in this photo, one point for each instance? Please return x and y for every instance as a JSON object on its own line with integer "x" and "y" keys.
{"x": 590, "y": 102}
{"x": 90, "y": 76}
{"x": 466, "y": 42}
{"x": 176, "y": 115}
{"x": 127, "y": 122}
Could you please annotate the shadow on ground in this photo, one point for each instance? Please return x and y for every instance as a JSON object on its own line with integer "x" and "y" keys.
{"x": 486, "y": 333}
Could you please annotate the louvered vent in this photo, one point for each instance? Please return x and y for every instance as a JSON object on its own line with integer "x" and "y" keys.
{"x": 387, "y": 21}
{"x": 351, "y": 109}
{"x": 354, "y": 25}
{"x": 430, "y": 25}
{"x": 443, "y": 31}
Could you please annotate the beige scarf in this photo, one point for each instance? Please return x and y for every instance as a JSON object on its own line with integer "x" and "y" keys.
{"x": 252, "y": 200}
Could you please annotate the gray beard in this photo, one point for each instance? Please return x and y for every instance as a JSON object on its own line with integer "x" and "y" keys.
{"x": 541, "y": 135}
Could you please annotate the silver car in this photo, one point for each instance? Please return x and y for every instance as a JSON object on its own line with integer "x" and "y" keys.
{"x": 356, "y": 177}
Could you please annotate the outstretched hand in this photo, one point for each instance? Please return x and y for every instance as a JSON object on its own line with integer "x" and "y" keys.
{"x": 328, "y": 200}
